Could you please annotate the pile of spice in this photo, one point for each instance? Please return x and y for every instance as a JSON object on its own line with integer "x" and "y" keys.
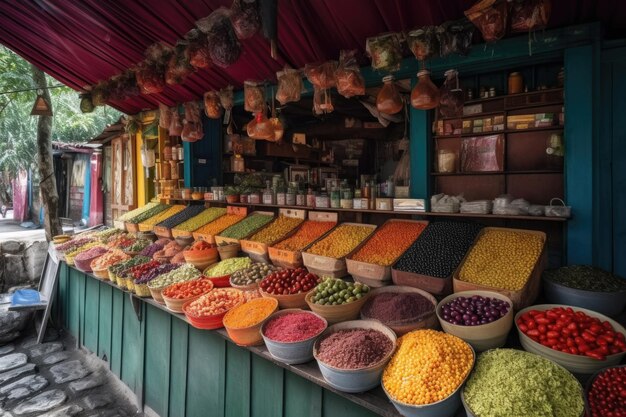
{"x": 137, "y": 246}
{"x": 397, "y": 307}
{"x": 277, "y": 230}
{"x": 428, "y": 366}
{"x": 207, "y": 216}
{"x": 154, "y": 220}
{"x": 83, "y": 259}
{"x": 389, "y": 242}
{"x": 247, "y": 226}
{"x": 354, "y": 348}
{"x": 148, "y": 207}
{"x": 250, "y": 313}
{"x": 219, "y": 224}
{"x": 155, "y": 272}
{"x": 182, "y": 273}
{"x": 72, "y": 244}
{"x": 588, "y": 278}
{"x": 309, "y": 232}
{"x": 608, "y": 393}
{"x": 294, "y": 327}
{"x": 113, "y": 257}
{"x": 508, "y": 382}
{"x": 341, "y": 241}
{"x": 188, "y": 289}
{"x": 118, "y": 268}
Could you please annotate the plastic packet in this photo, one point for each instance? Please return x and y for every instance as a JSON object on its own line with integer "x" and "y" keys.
{"x": 442, "y": 203}
{"x": 451, "y": 96}
{"x": 477, "y": 207}
{"x": 321, "y": 75}
{"x": 253, "y": 96}
{"x": 530, "y": 15}
{"x": 455, "y": 37}
{"x": 521, "y": 205}
{"x": 212, "y": 106}
{"x": 165, "y": 116}
{"x": 197, "y": 50}
{"x": 227, "y": 98}
{"x": 150, "y": 79}
{"x": 425, "y": 94}
{"x": 176, "y": 126}
{"x": 192, "y": 126}
{"x": 322, "y": 101}
{"x": 178, "y": 67}
{"x": 385, "y": 52}
{"x": 490, "y": 17}
{"x": 245, "y": 18}
{"x": 389, "y": 100}
{"x": 224, "y": 48}
{"x": 348, "y": 76}
{"x": 260, "y": 127}
{"x": 289, "y": 85}
{"x": 423, "y": 42}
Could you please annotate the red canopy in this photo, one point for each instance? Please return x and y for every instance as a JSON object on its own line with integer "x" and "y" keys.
{"x": 82, "y": 42}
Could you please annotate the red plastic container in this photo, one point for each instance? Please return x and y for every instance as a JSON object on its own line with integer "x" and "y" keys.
{"x": 220, "y": 282}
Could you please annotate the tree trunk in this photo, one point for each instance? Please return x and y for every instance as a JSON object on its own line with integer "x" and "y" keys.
{"x": 48, "y": 187}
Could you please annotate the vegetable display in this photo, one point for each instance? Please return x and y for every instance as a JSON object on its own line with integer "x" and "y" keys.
{"x": 218, "y": 301}
{"x": 138, "y": 245}
{"x": 308, "y": 233}
{"x": 184, "y": 272}
{"x": 247, "y": 226}
{"x": 508, "y": 382}
{"x": 354, "y": 348}
{"x": 207, "y": 216}
{"x": 607, "y": 396}
{"x": 276, "y": 230}
{"x": 227, "y": 267}
{"x": 572, "y": 332}
{"x": 502, "y": 259}
{"x": 428, "y": 366}
{"x": 396, "y": 307}
{"x": 389, "y": 242}
{"x": 140, "y": 270}
{"x": 334, "y": 291}
{"x": 294, "y": 327}
{"x": 588, "y": 278}
{"x": 188, "y": 289}
{"x": 474, "y": 310}
{"x": 251, "y": 275}
{"x": 250, "y": 313}
{"x": 181, "y": 216}
{"x": 222, "y": 223}
{"x": 289, "y": 281}
{"x": 341, "y": 241}
{"x": 439, "y": 249}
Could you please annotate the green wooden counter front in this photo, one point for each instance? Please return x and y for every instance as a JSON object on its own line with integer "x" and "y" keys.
{"x": 177, "y": 370}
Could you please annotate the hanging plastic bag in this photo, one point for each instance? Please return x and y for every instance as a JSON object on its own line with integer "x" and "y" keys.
{"x": 192, "y": 126}
{"x": 321, "y": 75}
{"x": 212, "y": 106}
{"x": 253, "y": 96}
{"x": 490, "y": 17}
{"x": 197, "y": 50}
{"x": 224, "y": 48}
{"x": 389, "y": 100}
{"x": 451, "y": 95}
{"x": 350, "y": 82}
{"x": 425, "y": 94}
{"x": 423, "y": 42}
{"x": 289, "y": 86}
{"x": 322, "y": 101}
{"x": 227, "y": 99}
{"x": 277, "y": 125}
{"x": 176, "y": 125}
{"x": 196, "y": 132}
{"x": 530, "y": 15}
{"x": 151, "y": 72}
{"x": 260, "y": 127}
{"x": 165, "y": 116}
{"x": 178, "y": 67}
{"x": 100, "y": 94}
{"x": 455, "y": 37}
{"x": 385, "y": 52}
{"x": 245, "y": 18}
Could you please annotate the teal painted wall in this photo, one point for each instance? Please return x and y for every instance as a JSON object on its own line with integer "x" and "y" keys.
{"x": 180, "y": 371}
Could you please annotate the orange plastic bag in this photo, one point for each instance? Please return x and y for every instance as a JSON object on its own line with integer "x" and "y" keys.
{"x": 350, "y": 82}
{"x": 389, "y": 100}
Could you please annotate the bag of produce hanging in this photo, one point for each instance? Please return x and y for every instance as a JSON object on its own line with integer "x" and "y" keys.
{"x": 423, "y": 42}
{"x": 322, "y": 101}
{"x": 260, "y": 127}
{"x": 530, "y": 15}
{"x": 124, "y": 85}
{"x": 100, "y": 93}
{"x": 455, "y": 37}
{"x": 176, "y": 125}
{"x": 389, "y": 100}
{"x": 178, "y": 67}
{"x": 321, "y": 75}
{"x": 86, "y": 105}
{"x": 350, "y": 82}
{"x": 490, "y": 17}
{"x": 289, "y": 85}
{"x": 165, "y": 116}
{"x": 227, "y": 98}
{"x": 192, "y": 126}
{"x": 451, "y": 96}
{"x": 151, "y": 72}
{"x": 425, "y": 94}
{"x": 245, "y": 18}
{"x": 253, "y": 96}
{"x": 212, "y": 106}
{"x": 224, "y": 48}
{"x": 197, "y": 50}
{"x": 385, "y": 52}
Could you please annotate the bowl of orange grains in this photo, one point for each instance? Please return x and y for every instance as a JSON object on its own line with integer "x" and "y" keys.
{"x": 208, "y": 311}
{"x": 243, "y": 322}
{"x": 176, "y": 295}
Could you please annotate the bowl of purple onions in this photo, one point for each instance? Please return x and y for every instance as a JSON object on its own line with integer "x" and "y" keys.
{"x": 481, "y": 318}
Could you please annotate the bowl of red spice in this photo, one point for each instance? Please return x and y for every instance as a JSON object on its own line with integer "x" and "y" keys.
{"x": 353, "y": 354}
{"x": 290, "y": 334}
{"x": 243, "y": 323}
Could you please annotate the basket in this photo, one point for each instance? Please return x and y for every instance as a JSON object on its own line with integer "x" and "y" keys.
{"x": 288, "y": 300}
{"x": 129, "y": 284}
{"x": 558, "y": 210}
{"x": 337, "y": 313}
{"x": 141, "y": 290}
{"x": 132, "y": 227}
{"x": 220, "y": 282}
{"x": 112, "y": 277}
{"x": 161, "y": 231}
{"x": 156, "y": 293}
{"x": 175, "y": 305}
{"x": 205, "y": 322}
{"x": 101, "y": 273}
{"x": 229, "y": 251}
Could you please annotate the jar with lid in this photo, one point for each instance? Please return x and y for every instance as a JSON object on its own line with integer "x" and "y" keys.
{"x": 255, "y": 197}
{"x": 310, "y": 198}
{"x": 290, "y": 198}
{"x": 197, "y": 194}
{"x": 335, "y": 198}
{"x": 166, "y": 170}
{"x": 300, "y": 198}
{"x": 356, "y": 203}
{"x": 516, "y": 83}
{"x": 281, "y": 196}
{"x": 174, "y": 153}
{"x": 268, "y": 194}
{"x": 167, "y": 152}
{"x": 243, "y": 198}
{"x": 181, "y": 152}
{"x": 174, "y": 169}
{"x": 322, "y": 200}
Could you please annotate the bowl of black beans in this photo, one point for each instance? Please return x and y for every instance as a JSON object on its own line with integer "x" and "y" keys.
{"x": 481, "y": 318}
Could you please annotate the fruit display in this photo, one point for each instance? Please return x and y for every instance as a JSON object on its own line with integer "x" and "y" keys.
{"x": 508, "y": 382}
{"x": 574, "y": 332}
{"x": 294, "y": 327}
{"x": 309, "y": 232}
{"x": 277, "y": 230}
{"x": 333, "y": 291}
{"x": 216, "y": 226}
{"x": 188, "y": 289}
{"x": 216, "y": 302}
{"x": 184, "y": 272}
{"x": 475, "y": 310}
{"x": 389, "y": 242}
{"x": 227, "y": 267}
{"x": 180, "y": 217}
{"x": 289, "y": 281}
{"x": 354, "y": 348}
{"x": 146, "y": 214}
{"x": 251, "y": 275}
{"x": 502, "y": 258}
{"x": 439, "y": 250}
{"x": 607, "y": 394}
{"x": 341, "y": 241}
{"x": 154, "y": 220}
{"x": 151, "y": 206}
{"x": 588, "y": 278}
{"x": 205, "y": 217}
{"x": 247, "y": 226}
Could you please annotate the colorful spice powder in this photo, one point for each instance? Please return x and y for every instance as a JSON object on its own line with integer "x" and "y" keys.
{"x": 354, "y": 348}
{"x": 389, "y": 307}
{"x": 250, "y": 313}
{"x": 294, "y": 327}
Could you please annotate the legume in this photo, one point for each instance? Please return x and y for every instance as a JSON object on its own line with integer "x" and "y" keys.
{"x": 155, "y": 272}
{"x": 294, "y": 327}
{"x": 251, "y": 275}
{"x": 334, "y": 291}
{"x": 393, "y": 307}
{"x": 389, "y": 242}
{"x": 354, "y": 348}
{"x": 250, "y": 313}
{"x": 146, "y": 214}
{"x": 163, "y": 215}
{"x": 588, "y": 278}
{"x": 309, "y": 232}
{"x": 341, "y": 241}
{"x": 130, "y": 214}
{"x": 276, "y": 230}
{"x": 474, "y": 311}
{"x": 114, "y": 256}
{"x": 247, "y": 226}
{"x": 181, "y": 216}
{"x": 222, "y": 223}
{"x": 218, "y": 301}
{"x": 207, "y": 216}
{"x": 137, "y": 260}
{"x": 184, "y": 272}
{"x": 151, "y": 250}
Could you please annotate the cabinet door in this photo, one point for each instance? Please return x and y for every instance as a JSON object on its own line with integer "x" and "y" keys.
{"x": 122, "y": 175}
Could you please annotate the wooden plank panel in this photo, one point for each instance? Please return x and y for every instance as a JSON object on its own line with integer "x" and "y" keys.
{"x": 92, "y": 313}
{"x": 63, "y": 295}
{"x": 157, "y": 360}
{"x": 335, "y": 406}
{"x": 81, "y": 279}
{"x": 105, "y": 326}
{"x": 178, "y": 367}
{"x": 267, "y": 388}
{"x": 132, "y": 340}
{"x": 302, "y": 397}
{"x": 206, "y": 374}
{"x": 117, "y": 327}
{"x": 74, "y": 303}
{"x": 237, "y": 381}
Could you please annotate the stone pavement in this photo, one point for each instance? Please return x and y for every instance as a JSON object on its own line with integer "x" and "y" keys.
{"x": 54, "y": 379}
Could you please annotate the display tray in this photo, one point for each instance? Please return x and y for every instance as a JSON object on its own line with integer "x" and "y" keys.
{"x": 131, "y": 227}
{"x": 163, "y": 232}
{"x": 221, "y": 239}
{"x": 371, "y": 271}
{"x": 240, "y": 211}
{"x": 334, "y": 267}
{"x": 521, "y": 298}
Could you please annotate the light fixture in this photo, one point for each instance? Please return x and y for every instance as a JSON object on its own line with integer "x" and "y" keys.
{"x": 41, "y": 106}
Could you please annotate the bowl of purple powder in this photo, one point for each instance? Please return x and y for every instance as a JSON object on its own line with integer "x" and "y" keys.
{"x": 401, "y": 308}
{"x": 353, "y": 354}
{"x": 481, "y": 318}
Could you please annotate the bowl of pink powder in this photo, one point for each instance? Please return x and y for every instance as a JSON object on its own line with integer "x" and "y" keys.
{"x": 290, "y": 334}
{"x": 353, "y": 354}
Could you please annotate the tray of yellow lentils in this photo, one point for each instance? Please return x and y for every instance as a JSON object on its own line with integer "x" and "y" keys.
{"x": 507, "y": 261}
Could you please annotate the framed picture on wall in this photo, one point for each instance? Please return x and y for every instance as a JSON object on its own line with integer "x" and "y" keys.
{"x": 298, "y": 173}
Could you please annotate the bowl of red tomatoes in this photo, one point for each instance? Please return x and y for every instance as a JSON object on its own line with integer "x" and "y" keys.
{"x": 580, "y": 340}
{"x": 289, "y": 287}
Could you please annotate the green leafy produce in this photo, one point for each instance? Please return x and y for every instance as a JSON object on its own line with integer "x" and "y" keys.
{"x": 513, "y": 383}
{"x": 227, "y": 267}
{"x": 246, "y": 226}
{"x": 334, "y": 291}
{"x": 196, "y": 222}
{"x": 585, "y": 277}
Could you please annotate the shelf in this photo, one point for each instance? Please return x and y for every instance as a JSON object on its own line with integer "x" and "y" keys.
{"x": 455, "y": 174}
{"x": 473, "y": 116}
{"x": 498, "y": 132}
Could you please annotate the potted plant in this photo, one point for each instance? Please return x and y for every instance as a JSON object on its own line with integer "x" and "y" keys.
{"x": 232, "y": 193}
{"x": 244, "y": 192}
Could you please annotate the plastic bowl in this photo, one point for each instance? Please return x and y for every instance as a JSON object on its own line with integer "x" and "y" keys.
{"x": 337, "y": 313}
{"x": 485, "y": 336}
{"x": 573, "y": 363}
{"x": 220, "y": 282}
{"x": 355, "y": 380}
{"x": 607, "y": 303}
{"x": 405, "y": 326}
{"x": 251, "y": 335}
{"x": 228, "y": 251}
{"x": 291, "y": 352}
{"x": 590, "y": 383}
{"x": 205, "y": 322}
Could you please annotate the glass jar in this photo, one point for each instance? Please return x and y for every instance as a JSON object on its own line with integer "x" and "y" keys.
{"x": 167, "y": 152}
{"x": 516, "y": 83}
{"x": 281, "y": 197}
{"x": 237, "y": 163}
{"x": 166, "y": 171}
{"x": 389, "y": 100}
{"x": 290, "y": 198}
{"x": 174, "y": 169}
{"x": 425, "y": 94}
{"x": 310, "y": 198}
{"x": 300, "y": 198}
{"x": 181, "y": 152}
{"x": 268, "y": 196}
{"x": 197, "y": 194}
{"x": 322, "y": 200}
{"x": 356, "y": 203}
{"x": 255, "y": 198}
{"x": 243, "y": 198}
{"x": 335, "y": 198}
